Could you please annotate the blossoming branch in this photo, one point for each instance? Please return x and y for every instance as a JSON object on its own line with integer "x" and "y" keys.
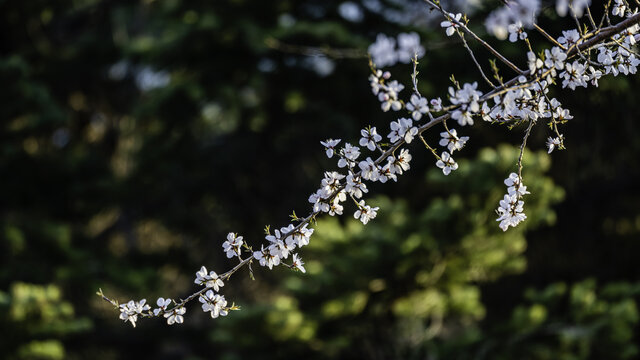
{"x": 577, "y": 58}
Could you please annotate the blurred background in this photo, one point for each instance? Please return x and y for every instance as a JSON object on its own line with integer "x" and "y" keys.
{"x": 136, "y": 134}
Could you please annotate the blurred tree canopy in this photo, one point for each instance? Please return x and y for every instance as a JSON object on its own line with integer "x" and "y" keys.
{"x": 136, "y": 134}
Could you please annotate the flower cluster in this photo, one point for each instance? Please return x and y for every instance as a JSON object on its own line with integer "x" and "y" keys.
{"x": 577, "y": 6}
{"x": 384, "y": 53}
{"x": 511, "y": 207}
{"x": 232, "y": 245}
{"x": 282, "y": 243}
{"x": 387, "y": 92}
{"x": 214, "y": 303}
{"x": 131, "y": 310}
{"x": 467, "y": 101}
{"x": 210, "y": 280}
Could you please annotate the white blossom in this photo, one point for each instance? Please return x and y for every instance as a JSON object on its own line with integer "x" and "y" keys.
{"x": 512, "y": 18}
{"x": 497, "y": 23}
{"x": 417, "y": 106}
{"x": 446, "y": 163}
{"x": 298, "y": 263}
{"x": 266, "y": 258}
{"x": 278, "y": 248}
{"x": 298, "y": 237}
{"x": 618, "y": 8}
{"x": 436, "y": 104}
{"x": 176, "y": 315}
{"x": 329, "y": 146}
{"x": 383, "y": 51}
{"x": 578, "y": 6}
{"x": 162, "y": 305}
{"x": 348, "y": 156}
{"x": 574, "y": 75}
{"x": 516, "y": 32}
{"x": 365, "y": 212}
{"x": 399, "y": 164}
{"x": 402, "y": 129}
{"x": 214, "y": 303}
{"x": 232, "y": 246}
{"x": 131, "y": 310}
{"x": 569, "y": 38}
{"x": 515, "y": 185}
{"x": 409, "y": 46}
{"x": 534, "y": 62}
{"x": 369, "y": 138}
{"x": 554, "y": 58}
{"x": 369, "y": 169}
{"x": 553, "y": 143}
{"x": 451, "y": 140}
{"x": 594, "y": 76}
{"x": 355, "y": 187}
{"x": 510, "y": 211}
{"x": 451, "y": 23}
{"x": 210, "y": 280}
{"x": 467, "y": 96}
{"x": 389, "y": 96}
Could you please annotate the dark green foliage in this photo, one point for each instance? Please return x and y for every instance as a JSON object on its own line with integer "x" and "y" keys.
{"x": 107, "y": 185}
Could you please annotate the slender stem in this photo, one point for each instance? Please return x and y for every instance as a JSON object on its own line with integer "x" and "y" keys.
{"x": 593, "y": 23}
{"x": 523, "y": 146}
{"x": 549, "y": 37}
{"x": 466, "y": 46}
{"x": 478, "y": 39}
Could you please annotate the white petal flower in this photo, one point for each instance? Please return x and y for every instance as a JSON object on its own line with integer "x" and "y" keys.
{"x": 369, "y": 170}
{"x": 214, "y": 303}
{"x": 176, "y": 316}
{"x": 355, "y": 187}
{"x": 298, "y": 264}
{"x": 369, "y": 138}
{"x": 451, "y": 140}
{"x": 383, "y": 51}
{"x": 510, "y": 211}
{"x": 131, "y": 310}
{"x": 329, "y": 146}
{"x": 402, "y": 129}
{"x": 515, "y": 185}
{"x": 232, "y": 246}
{"x": 201, "y": 276}
{"x": 446, "y": 163}
{"x": 348, "y": 156}
{"x": 162, "y": 305}
{"x": 451, "y": 23}
{"x": 399, "y": 164}
{"x": 516, "y": 31}
{"x": 214, "y": 281}
{"x": 418, "y": 106}
{"x": 365, "y": 212}
{"x": 553, "y": 143}
{"x": 578, "y": 6}
{"x": 408, "y": 47}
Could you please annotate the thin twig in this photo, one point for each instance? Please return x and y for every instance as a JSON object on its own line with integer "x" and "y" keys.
{"x": 466, "y": 46}
{"x": 549, "y": 37}
{"x": 482, "y": 42}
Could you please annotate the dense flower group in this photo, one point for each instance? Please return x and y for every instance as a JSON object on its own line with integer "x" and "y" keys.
{"x": 511, "y": 207}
